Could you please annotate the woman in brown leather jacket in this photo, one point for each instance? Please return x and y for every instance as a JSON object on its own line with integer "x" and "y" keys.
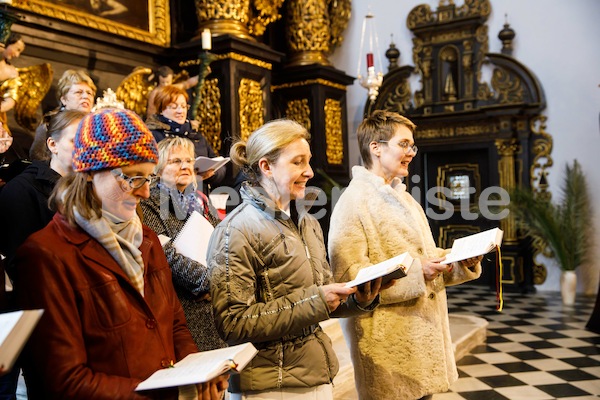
{"x": 111, "y": 315}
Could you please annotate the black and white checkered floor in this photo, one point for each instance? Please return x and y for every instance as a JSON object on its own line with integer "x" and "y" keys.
{"x": 536, "y": 348}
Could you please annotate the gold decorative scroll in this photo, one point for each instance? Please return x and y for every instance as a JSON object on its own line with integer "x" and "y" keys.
{"x": 241, "y": 18}
{"x": 307, "y": 32}
{"x": 251, "y": 112}
{"x": 422, "y": 15}
{"x": 209, "y": 113}
{"x": 333, "y": 132}
{"x": 542, "y": 161}
{"x": 299, "y": 111}
{"x": 507, "y": 86}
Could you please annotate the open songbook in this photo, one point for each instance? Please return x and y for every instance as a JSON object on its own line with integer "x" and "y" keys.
{"x": 192, "y": 240}
{"x": 15, "y": 329}
{"x": 201, "y": 367}
{"x": 474, "y": 245}
{"x": 203, "y": 164}
{"x": 393, "y": 268}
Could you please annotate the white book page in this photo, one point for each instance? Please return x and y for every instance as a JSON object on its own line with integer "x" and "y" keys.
{"x": 474, "y": 245}
{"x": 203, "y": 164}
{"x": 193, "y": 239}
{"x": 7, "y": 323}
{"x": 201, "y": 367}
{"x": 383, "y": 268}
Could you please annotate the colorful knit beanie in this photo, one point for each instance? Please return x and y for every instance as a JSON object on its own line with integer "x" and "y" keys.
{"x": 111, "y": 138}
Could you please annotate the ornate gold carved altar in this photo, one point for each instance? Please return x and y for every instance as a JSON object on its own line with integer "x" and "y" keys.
{"x": 471, "y": 134}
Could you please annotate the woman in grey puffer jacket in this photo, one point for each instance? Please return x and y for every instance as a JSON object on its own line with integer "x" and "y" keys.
{"x": 270, "y": 283}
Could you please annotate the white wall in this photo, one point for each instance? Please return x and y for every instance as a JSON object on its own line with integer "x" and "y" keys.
{"x": 558, "y": 41}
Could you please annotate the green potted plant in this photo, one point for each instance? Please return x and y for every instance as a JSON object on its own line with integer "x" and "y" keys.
{"x": 562, "y": 228}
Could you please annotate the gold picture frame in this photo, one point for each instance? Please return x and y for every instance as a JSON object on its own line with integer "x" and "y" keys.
{"x": 144, "y": 20}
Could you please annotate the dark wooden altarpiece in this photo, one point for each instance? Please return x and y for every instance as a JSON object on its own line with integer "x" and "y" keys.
{"x": 472, "y": 136}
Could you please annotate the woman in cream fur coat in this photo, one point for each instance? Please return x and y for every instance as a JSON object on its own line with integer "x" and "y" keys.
{"x": 403, "y": 349}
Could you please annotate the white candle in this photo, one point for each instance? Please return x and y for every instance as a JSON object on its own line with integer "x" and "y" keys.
{"x": 206, "y": 39}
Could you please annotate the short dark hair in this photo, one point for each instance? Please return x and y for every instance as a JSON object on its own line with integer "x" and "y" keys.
{"x": 380, "y": 125}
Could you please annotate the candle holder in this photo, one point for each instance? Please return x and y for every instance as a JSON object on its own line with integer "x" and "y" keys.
{"x": 204, "y": 60}
{"x": 373, "y": 80}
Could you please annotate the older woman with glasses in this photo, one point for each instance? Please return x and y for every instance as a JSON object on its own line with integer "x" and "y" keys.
{"x": 111, "y": 316}
{"x": 172, "y": 201}
{"x": 171, "y": 121}
{"x": 403, "y": 350}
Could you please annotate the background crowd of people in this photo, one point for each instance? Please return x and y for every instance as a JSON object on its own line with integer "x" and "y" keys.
{"x": 104, "y": 186}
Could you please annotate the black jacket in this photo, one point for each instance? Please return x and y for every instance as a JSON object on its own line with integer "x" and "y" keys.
{"x": 24, "y": 207}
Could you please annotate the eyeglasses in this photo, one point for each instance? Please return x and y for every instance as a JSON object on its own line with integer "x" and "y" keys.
{"x": 130, "y": 183}
{"x": 174, "y": 106}
{"x": 79, "y": 93}
{"x": 179, "y": 162}
{"x": 405, "y": 146}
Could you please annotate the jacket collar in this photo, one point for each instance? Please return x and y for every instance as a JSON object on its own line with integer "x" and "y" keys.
{"x": 363, "y": 174}
{"x": 256, "y": 196}
{"x": 93, "y": 250}
{"x": 44, "y": 172}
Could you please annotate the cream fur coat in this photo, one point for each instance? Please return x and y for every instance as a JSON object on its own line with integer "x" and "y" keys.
{"x": 403, "y": 349}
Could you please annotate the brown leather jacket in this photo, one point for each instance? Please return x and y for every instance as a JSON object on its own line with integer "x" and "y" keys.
{"x": 98, "y": 337}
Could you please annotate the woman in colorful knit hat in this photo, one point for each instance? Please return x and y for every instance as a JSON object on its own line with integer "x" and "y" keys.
{"x": 111, "y": 315}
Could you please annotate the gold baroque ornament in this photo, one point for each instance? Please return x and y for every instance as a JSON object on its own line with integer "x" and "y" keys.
{"x": 209, "y": 113}
{"x": 299, "y": 111}
{"x": 35, "y": 83}
{"x": 307, "y": 32}
{"x": 422, "y": 15}
{"x": 241, "y": 18}
{"x": 339, "y": 15}
{"x": 542, "y": 147}
{"x": 134, "y": 89}
{"x": 508, "y": 87}
{"x": 333, "y": 132}
{"x": 251, "y": 107}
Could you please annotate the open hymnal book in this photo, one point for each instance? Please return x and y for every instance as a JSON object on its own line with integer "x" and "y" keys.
{"x": 393, "y": 268}
{"x": 192, "y": 240}
{"x": 474, "y": 245}
{"x": 201, "y": 367}
{"x": 15, "y": 329}
{"x": 203, "y": 164}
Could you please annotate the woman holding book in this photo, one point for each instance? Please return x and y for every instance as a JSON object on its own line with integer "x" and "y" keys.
{"x": 271, "y": 284}
{"x": 403, "y": 349}
{"x": 171, "y": 102}
{"x": 111, "y": 316}
{"x": 172, "y": 201}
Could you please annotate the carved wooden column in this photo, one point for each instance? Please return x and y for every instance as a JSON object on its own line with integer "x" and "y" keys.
{"x": 308, "y": 89}
{"x": 315, "y": 96}
{"x": 235, "y": 98}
